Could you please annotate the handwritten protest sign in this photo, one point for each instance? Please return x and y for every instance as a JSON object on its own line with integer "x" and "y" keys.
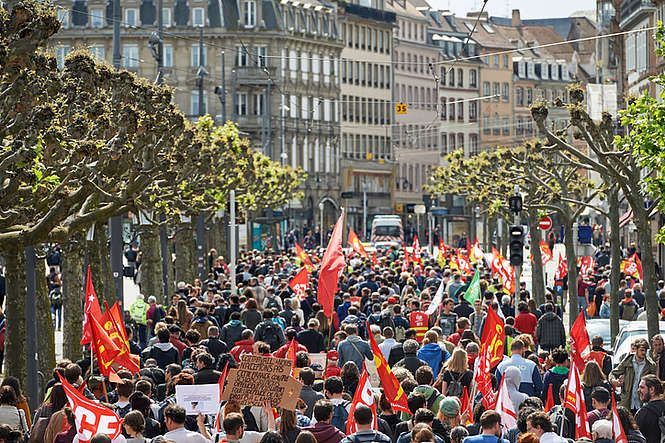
{"x": 262, "y": 378}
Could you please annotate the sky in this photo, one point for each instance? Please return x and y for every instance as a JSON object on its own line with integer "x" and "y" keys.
{"x": 528, "y": 8}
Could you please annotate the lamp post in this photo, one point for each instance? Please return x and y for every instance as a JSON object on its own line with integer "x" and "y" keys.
{"x": 321, "y": 222}
{"x": 365, "y": 211}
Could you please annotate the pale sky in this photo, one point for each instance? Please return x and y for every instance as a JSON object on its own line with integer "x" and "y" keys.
{"x": 528, "y": 8}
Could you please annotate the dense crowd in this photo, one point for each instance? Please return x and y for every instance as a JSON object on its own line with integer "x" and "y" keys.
{"x": 206, "y": 327}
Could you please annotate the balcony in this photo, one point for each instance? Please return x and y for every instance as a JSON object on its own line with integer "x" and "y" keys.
{"x": 634, "y": 10}
{"x": 254, "y": 74}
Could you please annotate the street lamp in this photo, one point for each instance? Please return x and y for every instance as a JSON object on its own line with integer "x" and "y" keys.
{"x": 365, "y": 211}
{"x": 321, "y": 223}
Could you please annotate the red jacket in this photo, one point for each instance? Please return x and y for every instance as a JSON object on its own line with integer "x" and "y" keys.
{"x": 526, "y": 323}
{"x": 282, "y": 352}
{"x": 242, "y": 347}
{"x": 180, "y": 346}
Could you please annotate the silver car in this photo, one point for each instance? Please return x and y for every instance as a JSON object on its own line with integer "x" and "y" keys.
{"x": 627, "y": 335}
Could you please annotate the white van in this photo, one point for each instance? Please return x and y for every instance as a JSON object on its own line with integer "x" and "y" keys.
{"x": 387, "y": 231}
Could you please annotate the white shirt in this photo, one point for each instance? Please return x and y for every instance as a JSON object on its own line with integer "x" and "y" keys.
{"x": 551, "y": 437}
{"x": 386, "y": 345}
{"x": 182, "y": 435}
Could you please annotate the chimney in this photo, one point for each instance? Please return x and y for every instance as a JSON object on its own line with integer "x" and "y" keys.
{"x": 517, "y": 21}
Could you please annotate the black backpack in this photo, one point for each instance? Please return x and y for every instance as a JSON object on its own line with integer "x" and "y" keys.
{"x": 455, "y": 388}
{"x": 55, "y": 297}
{"x": 272, "y": 303}
{"x": 271, "y": 336}
{"x": 386, "y": 320}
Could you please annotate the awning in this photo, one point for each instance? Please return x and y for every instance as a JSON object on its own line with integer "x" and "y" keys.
{"x": 626, "y": 218}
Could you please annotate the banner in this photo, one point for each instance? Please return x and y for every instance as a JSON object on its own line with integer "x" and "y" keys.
{"x": 545, "y": 253}
{"x": 575, "y": 402}
{"x": 493, "y": 338}
{"x": 357, "y": 247}
{"x": 364, "y": 396}
{"x": 299, "y": 283}
{"x": 391, "y": 387}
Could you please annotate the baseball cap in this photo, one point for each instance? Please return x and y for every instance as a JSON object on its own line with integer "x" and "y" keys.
{"x": 450, "y": 406}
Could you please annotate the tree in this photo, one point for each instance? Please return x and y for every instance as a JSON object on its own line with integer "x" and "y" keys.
{"x": 615, "y": 160}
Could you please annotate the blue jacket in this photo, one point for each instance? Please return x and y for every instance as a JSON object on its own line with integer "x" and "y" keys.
{"x": 343, "y": 310}
{"x": 347, "y": 351}
{"x": 434, "y": 356}
{"x": 531, "y": 383}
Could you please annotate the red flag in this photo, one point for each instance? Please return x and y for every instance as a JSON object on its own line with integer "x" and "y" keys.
{"x": 299, "y": 283}
{"x": 416, "y": 250}
{"x": 405, "y": 260}
{"x": 463, "y": 263}
{"x": 103, "y": 346}
{"x": 356, "y": 245}
{"x": 304, "y": 258}
{"x": 124, "y": 358}
{"x": 585, "y": 264}
{"x": 545, "y": 253}
{"x": 442, "y": 247}
{"x": 635, "y": 259}
{"x": 466, "y": 406}
{"x": 496, "y": 263}
{"x": 476, "y": 254}
{"x": 220, "y": 383}
{"x": 374, "y": 259}
{"x": 550, "y": 399}
{"x": 575, "y": 402}
{"x": 561, "y": 269}
{"x": 331, "y": 266}
{"x": 505, "y": 407}
{"x": 291, "y": 353}
{"x": 91, "y": 418}
{"x": 483, "y": 378}
{"x": 91, "y": 309}
{"x": 363, "y": 396}
{"x": 579, "y": 340}
{"x": 391, "y": 387}
{"x": 617, "y": 429}
{"x": 492, "y": 338}
{"x": 468, "y": 246}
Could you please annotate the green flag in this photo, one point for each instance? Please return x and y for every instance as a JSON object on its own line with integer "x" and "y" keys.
{"x": 473, "y": 291}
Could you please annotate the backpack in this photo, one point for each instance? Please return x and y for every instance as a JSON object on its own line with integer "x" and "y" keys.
{"x": 432, "y": 399}
{"x": 455, "y": 388}
{"x": 272, "y": 303}
{"x": 39, "y": 430}
{"x": 55, "y": 297}
{"x": 386, "y": 320}
{"x": 628, "y": 312}
{"x": 661, "y": 420}
{"x": 340, "y": 416}
{"x": 400, "y": 331}
{"x": 271, "y": 336}
{"x": 122, "y": 411}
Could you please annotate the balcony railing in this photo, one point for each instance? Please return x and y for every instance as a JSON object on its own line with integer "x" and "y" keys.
{"x": 633, "y": 8}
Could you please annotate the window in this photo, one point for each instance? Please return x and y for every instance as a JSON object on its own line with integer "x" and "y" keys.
{"x": 519, "y": 130}
{"x": 97, "y": 52}
{"x": 241, "y": 103}
{"x": 63, "y": 18}
{"x": 473, "y": 78}
{"x": 261, "y": 55}
{"x": 529, "y": 96}
{"x": 250, "y": 13}
{"x": 473, "y": 111}
{"x": 486, "y": 90}
{"x": 452, "y": 77}
{"x": 131, "y": 16}
{"x": 258, "y": 101}
{"x": 496, "y": 61}
{"x": 444, "y": 143}
{"x": 460, "y": 141}
{"x": 195, "y": 60}
{"x": 564, "y": 68}
{"x": 505, "y": 60}
{"x": 529, "y": 126}
{"x": 460, "y": 110}
{"x": 473, "y": 144}
{"x": 530, "y": 70}
{"x": 505, "y": 91}
{"x": 521, "y": 69}
{"x": 130, "y": 56}
{"x": 166, "y": 17}
{"x": 96, "y": 18}
{"x": 451, "y": 142}
{"x": 460, "y": 78}
{"x": 198, "y": 17}
{"x": 443, "y": 108}
{"x": 60, "y": 55}
{"x": 442, "y": 77}
{"x": 194, "y": 109}
{"x": 554, "y": 71}
{"x": 486, "y": 124}
{"x": 545, "y": 70}
{"x": 506, "y": 126}
{"x": 496, "y": 91}
{"x": 168, "y": 56}
{"x": 241, "y": 56}
{"x": 519, "y": 96}
{"x": 451, "y": 109}
{"x": 496, "y": 130}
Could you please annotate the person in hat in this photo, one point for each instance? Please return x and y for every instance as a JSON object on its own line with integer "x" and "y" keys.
{"x": 332, "y": 370}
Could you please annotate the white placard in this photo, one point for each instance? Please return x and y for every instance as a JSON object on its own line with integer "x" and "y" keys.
{"x": 198, "y": 398}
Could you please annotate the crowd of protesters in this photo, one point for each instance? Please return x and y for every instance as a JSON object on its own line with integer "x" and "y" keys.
{"x": 206, "y": 326}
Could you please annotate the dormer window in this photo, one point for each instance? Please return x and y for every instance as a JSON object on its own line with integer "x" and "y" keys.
{"x": 521, "y": 69}
{"x": 555, "y": 72}
{"x": 198, "y": 17}
{"x": 250, "y": 13}
{"x": 131, "y": 15}
{"x": 544, "y": 71}
{"x": 530, "y": 70}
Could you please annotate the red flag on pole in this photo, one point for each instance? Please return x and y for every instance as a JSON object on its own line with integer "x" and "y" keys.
{"x": 220, "y": 383}
{"x": 124, "y": 358}
{"x": 492, "y": 338}
{"x": 391, "y": 387}
{"x": 545, "y": 252}
{"x": 304, "y": 258}
{"x": 466, "y": 406}
{"x": 363, "y": 396}
{"x": 356, "y": 245}
{"x": 299, "y": 283}
{"x": 575, "y": 402}
{"x": 406, "y": 260}
{"x": 550, "y": 399}
{"x": 374, "y": 259}
{"x": 617, "y": 429}
{"x": 579, "y": 340}
{"x": 561, "y": 269}
{"x": 91, "y": 418}
{"x": 103, "y": 346}
{"x": 91, "y": 309}
{"x": 332, "y": 264}
{"x": 416, "y": 250}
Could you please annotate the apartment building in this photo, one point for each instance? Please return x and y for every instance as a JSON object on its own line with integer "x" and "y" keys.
{"x": 415, "y": 133}
{"x": 367, "y": 159}
{"x": 281, "y": 73}
{"x": 639, "y": 58}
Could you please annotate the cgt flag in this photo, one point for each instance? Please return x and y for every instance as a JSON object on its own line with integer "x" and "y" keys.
{"x": 363, "y": 396}
{"x": 304, "y": 258}
{"x": 357, "y": 247}
{"x": 124, "y": 358}
{"x": 91, "y": 418}
{"x": 579, "y": 340}
{"x": 299, "y": 283}
{"x": 492, "y": 338}
{"x": 575, "y": 402}
{"x": 416, "y": 251}
{"x": 391, "y": 386}
{"x": 104, "y": 347}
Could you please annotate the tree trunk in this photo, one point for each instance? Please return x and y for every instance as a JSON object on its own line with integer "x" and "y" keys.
{"x": 73, "y": 296}
{"x": 185, "y": 248}
{"x": 167, "y": 261}
{"x": 15, "y": 360}
{"x": 45, "y": 334}
{"x": 105, "y": 273}
{"x": 537, "y": 278}
{"x": 571, "y": 256}
{"x": 615, "y": 261}
{"x": 641, "y": 220}
{"x": 152, "y": 279}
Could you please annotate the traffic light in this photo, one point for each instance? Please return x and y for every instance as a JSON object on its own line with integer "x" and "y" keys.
{"x": 516, "y": 245}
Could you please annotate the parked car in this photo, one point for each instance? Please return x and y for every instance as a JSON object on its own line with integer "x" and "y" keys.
{"x": 601, "y": 326}
{"x": 627, "y": 335}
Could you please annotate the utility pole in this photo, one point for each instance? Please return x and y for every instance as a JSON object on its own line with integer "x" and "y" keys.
{"x": 115, "y": 223}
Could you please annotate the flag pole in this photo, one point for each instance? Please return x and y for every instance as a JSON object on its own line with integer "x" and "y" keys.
{"x": 106, "y": 395}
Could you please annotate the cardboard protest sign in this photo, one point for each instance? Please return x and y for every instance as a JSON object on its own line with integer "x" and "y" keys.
{"x": 262, "y": 378}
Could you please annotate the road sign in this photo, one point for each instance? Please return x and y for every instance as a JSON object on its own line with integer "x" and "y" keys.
{"x": 419, "y": 209}
{"x": 400, "y": 108}
{"x": 347, "y": 194}
{"x": 545, "y": 223}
